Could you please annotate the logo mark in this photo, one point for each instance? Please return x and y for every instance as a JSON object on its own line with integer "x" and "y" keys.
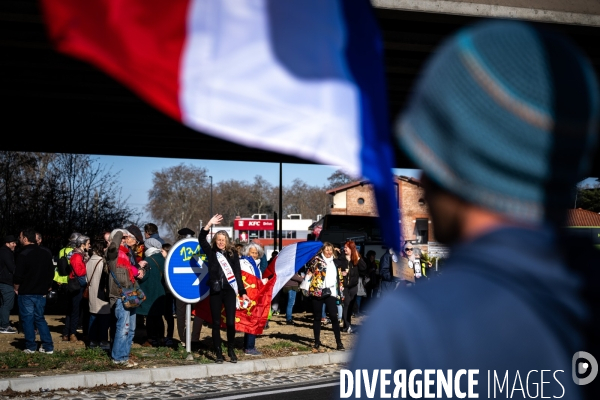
{"x": 584, "y": 368}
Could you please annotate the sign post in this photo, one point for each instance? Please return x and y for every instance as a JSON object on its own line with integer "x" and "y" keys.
{"x": 186, "y": 275}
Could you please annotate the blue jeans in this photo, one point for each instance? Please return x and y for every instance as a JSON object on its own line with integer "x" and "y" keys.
{"x": 7, "y": 301}
{"x": 358, "y": 301}
{"x": 290, "y": 305}
{"x": 249, "y": 341}
{"x": 124, "y": 332}
{"x": 98, "y": 328}
{"x": 31, "y": 311}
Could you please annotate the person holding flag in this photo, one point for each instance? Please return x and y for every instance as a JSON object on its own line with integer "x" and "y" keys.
{"x": 225, "y": 281}
{"x": 250, "y": 264}
{"x": 325, "y": 287}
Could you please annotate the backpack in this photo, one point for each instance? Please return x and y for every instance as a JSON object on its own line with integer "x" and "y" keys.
{"x": 63, "y": 266}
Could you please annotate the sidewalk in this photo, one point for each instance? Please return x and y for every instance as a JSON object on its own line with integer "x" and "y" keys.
{"x": 146, "y": 373}
{"x": 169, "y": 374}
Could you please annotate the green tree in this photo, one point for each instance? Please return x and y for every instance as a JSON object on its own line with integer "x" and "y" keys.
{"x": 588, "y": 198}
{"x": 338, "y": 178}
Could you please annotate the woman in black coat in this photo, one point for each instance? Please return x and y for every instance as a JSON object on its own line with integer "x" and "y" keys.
{"x": 355, "y": 267}
{"x": 223, "y": 266}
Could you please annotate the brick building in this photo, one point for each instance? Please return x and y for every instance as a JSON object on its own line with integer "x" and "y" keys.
{"x": 357, "y": 198}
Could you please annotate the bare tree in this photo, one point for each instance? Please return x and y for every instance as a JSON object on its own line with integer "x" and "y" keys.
{"x": 180, "y": 197}
{"x": 231, "y": 200}
{"x": 301, "y": 198}
{"x": 57, "y": 194}
{"x": 262, "y": 197}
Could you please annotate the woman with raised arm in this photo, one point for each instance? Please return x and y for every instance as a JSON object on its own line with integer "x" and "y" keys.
{"x": 225, "y": 281}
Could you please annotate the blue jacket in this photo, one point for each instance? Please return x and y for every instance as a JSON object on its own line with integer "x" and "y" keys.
{"x": 506, "y": 302}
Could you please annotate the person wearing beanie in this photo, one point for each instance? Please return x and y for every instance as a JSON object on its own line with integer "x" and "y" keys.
{"x": 136, "y": 242}
{"x": 152, "y": 285}
{"x": 503, "y": 123}
{"x": 7, "y": 292}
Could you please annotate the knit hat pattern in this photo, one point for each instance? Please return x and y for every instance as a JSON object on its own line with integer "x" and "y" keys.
{"x": 152, "y": 243}
{"x": 505, "y": 116}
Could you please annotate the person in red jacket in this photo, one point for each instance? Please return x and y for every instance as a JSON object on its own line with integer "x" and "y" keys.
{"x": 78, "y": 258}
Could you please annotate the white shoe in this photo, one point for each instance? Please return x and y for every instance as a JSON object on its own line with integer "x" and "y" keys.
{"x": 44, "y": 351}
{"x": 125, "y": 363}
{"x": 27, "y": 351}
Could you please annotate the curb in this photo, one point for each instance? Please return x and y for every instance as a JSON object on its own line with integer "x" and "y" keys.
{"x": 137, "y": 376}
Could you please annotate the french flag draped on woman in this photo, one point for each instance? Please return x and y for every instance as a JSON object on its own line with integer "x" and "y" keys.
{"x": 280, "y": 270}
{"x": 304, "y": 78}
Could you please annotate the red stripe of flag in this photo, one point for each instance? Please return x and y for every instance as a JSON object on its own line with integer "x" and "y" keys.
{"x": 139, "y": 42}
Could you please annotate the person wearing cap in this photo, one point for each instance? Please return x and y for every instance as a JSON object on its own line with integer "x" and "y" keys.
{"x": 185, "y": 233}
{"x": 7, "y": 292}
{"x": 154, "y": 306}
{"x": 503, "y": 123}
{"x": 413, "y": 260}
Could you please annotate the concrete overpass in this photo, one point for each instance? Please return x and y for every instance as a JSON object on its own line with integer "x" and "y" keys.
{"x": 60, "y": 98}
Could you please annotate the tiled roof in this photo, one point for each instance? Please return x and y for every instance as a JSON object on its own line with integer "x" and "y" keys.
{"x": 580, "y": 217}
{"x": 347, "y": 186}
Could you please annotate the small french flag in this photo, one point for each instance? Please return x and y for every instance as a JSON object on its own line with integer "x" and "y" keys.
{"x": 289, "y": 261}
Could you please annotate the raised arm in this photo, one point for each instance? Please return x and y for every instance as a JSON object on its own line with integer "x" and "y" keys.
{"x": 216, "y": 219}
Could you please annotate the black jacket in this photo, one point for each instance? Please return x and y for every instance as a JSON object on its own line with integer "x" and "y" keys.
{"x": 34, "y": 270}
{"x": 354, "y": 271}
{"x": 214, "y": 269}
{"x": 7, "y": 265}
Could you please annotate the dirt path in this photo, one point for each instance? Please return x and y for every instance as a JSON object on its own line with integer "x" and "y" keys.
{"x": 300, "y": 333}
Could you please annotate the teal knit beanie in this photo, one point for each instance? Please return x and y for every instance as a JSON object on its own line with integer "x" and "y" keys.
{"x": 505, "y": 116}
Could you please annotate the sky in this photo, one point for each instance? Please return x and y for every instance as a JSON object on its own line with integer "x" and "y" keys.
{"x": 136, "y": 190}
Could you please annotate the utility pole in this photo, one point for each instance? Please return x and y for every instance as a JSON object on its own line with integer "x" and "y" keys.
{"x": 211, "y": 210}
{"x": 280, "y": 206}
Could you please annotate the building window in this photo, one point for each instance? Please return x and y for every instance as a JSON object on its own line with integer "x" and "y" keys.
{"x": 361, "y": 201}
{"x": 422, "y": 230}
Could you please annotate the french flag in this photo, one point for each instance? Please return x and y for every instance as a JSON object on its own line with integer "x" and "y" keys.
{"x": 291, "y": 258}
{"x": 304, "y": 78}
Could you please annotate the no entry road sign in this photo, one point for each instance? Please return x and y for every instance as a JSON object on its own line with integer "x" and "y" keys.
{"x": 186, "y": 274}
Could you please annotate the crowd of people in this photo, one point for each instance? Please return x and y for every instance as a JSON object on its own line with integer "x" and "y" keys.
{"x": 100, "y": 267}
